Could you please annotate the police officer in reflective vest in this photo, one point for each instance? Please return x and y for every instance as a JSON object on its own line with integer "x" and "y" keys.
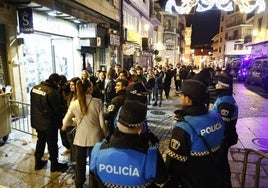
{"x": 126, "y": 161}
{"x": 197, "y": 136}
{"x": 226, "y": 106}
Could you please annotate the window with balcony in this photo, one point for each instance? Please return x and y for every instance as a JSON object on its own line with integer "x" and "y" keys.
{"x": 238, "y": 47}
{"x": 131, "y": 22}
{"x": 235, "y": 34}
{"x": 169, "y": 23}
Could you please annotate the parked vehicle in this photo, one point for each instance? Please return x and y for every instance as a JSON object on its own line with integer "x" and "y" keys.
{"x": 258, "y": 73}
{"x": 239, "y": 68}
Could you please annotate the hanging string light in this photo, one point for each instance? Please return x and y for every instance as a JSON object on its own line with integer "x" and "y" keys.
{"x": 245, "y": 6}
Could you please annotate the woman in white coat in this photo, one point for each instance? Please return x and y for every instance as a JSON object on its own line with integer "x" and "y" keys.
{"x": 91, "y": 126}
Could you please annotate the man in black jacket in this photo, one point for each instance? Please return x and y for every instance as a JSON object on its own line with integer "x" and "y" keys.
{"x": 193, "y": 157}
{"x": 116, "y": 103}
{"x": 46, "y": 113}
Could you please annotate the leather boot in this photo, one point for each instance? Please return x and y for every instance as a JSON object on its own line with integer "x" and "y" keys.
{"x": 39, "y": 164}
{"x": 58, "y": 167}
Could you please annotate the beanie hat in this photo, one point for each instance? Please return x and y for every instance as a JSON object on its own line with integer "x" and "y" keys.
{"x": 194, "y": 89}
{"x": 225, "y": 80}
{"x": 132, "y": 114}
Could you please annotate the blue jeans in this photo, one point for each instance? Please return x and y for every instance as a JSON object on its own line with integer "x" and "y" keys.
{"x": 158, "y": 93}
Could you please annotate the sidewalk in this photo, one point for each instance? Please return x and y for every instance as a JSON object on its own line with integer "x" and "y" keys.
{"x": 17, "y": 154}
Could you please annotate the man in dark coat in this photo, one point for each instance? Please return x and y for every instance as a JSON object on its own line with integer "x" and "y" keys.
{"x": 133, "y": 163}
{"x": 192, "y": 157}
{"x": 46, "y": 116}
{"x": 227, "y": 107}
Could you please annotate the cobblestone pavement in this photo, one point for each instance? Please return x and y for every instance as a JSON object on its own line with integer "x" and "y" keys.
{"x": 17, "y": 154}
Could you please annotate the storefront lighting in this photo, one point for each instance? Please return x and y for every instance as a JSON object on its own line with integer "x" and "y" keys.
{"x": 255, "y": 33}
{"x": 159, "y": 46}
{"x": 146, "y": 27}
{"x": 77, "y": 21}
{"x": 245, "y": 6}
{"x": 52, "y": 13}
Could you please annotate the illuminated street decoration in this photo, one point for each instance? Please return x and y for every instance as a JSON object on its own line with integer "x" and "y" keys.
{"x": 245, "y": 6}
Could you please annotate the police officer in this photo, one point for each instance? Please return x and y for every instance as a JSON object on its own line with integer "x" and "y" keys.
{"x": 138, "y": 92}
{"x": 192, "y": 158}
{"x": 46, "y": 116}
{"x": 126, "y": 161}
{"x": 116, "y": 103}
{"x": 227, "y": 107}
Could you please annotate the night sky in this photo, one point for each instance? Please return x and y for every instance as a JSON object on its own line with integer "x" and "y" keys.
{"x": 205, "y": 25}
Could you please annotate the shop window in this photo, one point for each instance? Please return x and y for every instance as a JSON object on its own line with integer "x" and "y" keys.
{"x": 102, "y": 56}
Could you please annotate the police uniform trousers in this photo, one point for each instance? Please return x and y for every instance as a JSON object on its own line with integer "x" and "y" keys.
{"x": 49, "y": 136}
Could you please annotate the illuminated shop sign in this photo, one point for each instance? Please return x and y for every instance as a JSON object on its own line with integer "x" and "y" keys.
{"x": 25, "y": 20}
{"x": 114, "y": 40}
{"x": 88, "y": 30}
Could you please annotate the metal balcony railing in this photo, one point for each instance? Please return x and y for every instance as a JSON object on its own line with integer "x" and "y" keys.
{"x": 235, "y": 23}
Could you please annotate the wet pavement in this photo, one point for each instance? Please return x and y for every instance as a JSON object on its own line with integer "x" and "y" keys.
{"x": 17, "y": 154}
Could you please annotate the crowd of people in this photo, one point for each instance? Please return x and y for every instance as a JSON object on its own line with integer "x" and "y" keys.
{"x": 103, "y": 117}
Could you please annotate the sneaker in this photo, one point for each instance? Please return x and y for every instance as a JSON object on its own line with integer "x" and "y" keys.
{"x": 155, "y": 104}
{"x": 58, "y": 167}
{"x": 40, "y": 164}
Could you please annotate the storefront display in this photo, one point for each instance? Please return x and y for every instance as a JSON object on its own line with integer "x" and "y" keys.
{"x": 43, "y": 55}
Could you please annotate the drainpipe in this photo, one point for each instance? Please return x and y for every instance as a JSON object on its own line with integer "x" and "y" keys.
{"x": 121, "y": 60}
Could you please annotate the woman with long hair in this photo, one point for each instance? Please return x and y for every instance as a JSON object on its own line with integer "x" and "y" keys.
{"x": 70, "y": 130}
{"x": 90, "y": 126}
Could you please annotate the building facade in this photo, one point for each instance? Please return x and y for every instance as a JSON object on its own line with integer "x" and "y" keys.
{"x": 169, "y": 38}
{"x": 39, "y": 37}
{"x": 234, "y": 32}
{"x": 56, "y": 36}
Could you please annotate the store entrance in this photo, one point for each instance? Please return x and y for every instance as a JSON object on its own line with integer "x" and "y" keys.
{"x": 128, "y": 62}
{"x": 88, "y": 60}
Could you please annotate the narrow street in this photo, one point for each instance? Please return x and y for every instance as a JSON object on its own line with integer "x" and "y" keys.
{"x": 17, "y": 154}
{"x": 252, "y": 100}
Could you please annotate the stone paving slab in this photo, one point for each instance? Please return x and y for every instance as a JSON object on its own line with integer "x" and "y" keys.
{"x": 17, "y": 154}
